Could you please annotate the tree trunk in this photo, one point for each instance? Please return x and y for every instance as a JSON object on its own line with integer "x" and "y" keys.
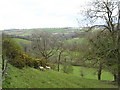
{"x": 99, "y": 75}
{"x": 5, "y": 68}
{"x": 115, "y": 77}
{"x": 99, "y": 71}
{"x": 59, "y": 57}
{"x": 3, "y": 62}
{"x": 46, "y": 59}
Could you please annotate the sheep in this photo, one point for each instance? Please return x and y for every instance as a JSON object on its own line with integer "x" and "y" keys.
{"x": 47, "y": 67}
{"x": 5, "y": 73}
{"x": 41, "y": 68}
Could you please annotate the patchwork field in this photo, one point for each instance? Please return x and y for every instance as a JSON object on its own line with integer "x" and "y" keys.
{"x": 27, "y": 32}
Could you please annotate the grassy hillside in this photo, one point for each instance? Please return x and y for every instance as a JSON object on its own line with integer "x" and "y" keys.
{"x": 22, "y": 42}
{"x": 33, "y": 78}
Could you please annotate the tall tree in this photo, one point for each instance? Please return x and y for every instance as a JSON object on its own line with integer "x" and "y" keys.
{"x": 62, "y": 47}
{"x": 44, "y": 44}
{"x": 107, "y": 12}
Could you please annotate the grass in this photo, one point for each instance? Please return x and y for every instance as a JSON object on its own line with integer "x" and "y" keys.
{"x": 18, "y": 40}
{"x": 21, "y": 42}
{"x": 19, "y": 32}
{"x": 77, "y": 40}
{"x": 90, "y": 73}
{"x": 33, "y": 78}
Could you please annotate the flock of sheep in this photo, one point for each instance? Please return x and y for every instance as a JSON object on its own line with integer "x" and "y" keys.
{"x": 42, "y": 68}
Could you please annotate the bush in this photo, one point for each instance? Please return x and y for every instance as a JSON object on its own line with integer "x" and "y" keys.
{"x": 39, "y": 62}
{"x": 18, "y": 62}
{"x": 29, "y": 61}
{"x": 23, "y": 60}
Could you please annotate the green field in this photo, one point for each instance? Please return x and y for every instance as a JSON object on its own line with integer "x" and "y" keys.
{"x": 57, "y": 30}
{"x": 19, "y": 32}
{"x": 33, "y": 78}
{"x": 18, "y": 40}
{"x": 27, "y": 32}
{"x": 77, "y": 40}
{"x": 91, "y": 73}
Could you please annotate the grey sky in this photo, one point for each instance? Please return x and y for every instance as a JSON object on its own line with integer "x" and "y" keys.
{"x": 39, "y": 13}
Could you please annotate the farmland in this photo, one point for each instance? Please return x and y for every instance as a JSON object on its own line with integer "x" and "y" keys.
{"x": 26, "y": 32}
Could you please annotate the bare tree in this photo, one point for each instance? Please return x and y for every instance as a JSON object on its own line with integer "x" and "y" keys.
{"x": 62, "y": 47}
{"x": 104, "y": 10}
{"x": 44, "y": 44}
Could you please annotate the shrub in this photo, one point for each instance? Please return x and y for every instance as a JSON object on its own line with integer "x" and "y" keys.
{"x": 22, "y": 60}
{"x": 39, "y": 62}
{"x": 25, "y": 60}
{"x": 29, "y": 61}
{"x": 18, "y": 62}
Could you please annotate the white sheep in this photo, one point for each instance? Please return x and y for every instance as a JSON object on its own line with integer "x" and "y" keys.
{"x": 41, "y": 68}
{"x": 47, "y": 67}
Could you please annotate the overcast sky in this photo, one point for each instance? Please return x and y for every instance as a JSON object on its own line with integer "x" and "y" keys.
{"x": 39, "y": 13}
